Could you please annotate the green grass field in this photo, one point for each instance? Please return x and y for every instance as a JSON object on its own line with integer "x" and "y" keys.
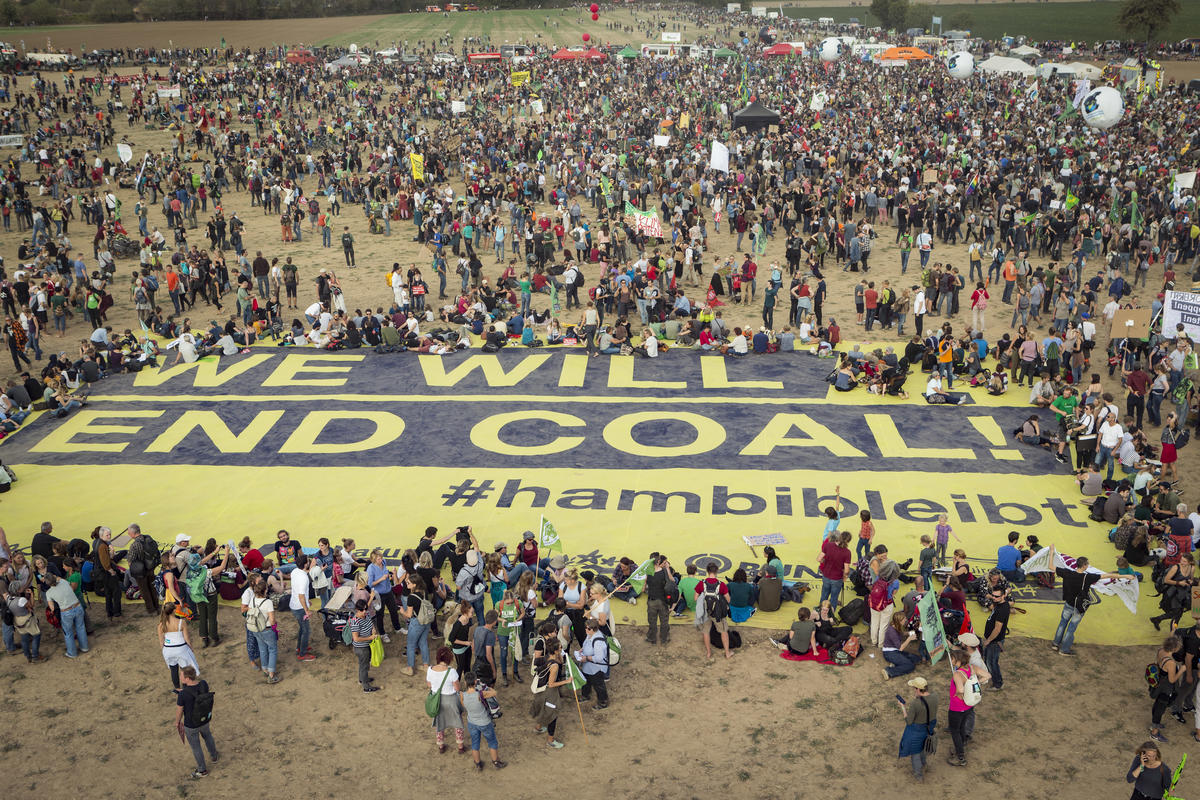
{"x": 556, "y": 26}
{"x": 1094, "y": 21}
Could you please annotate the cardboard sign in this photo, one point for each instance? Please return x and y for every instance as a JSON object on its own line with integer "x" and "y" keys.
{"x": 1131, "y": 323}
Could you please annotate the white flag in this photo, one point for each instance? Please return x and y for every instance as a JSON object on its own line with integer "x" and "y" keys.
{"x": 1040, "y": 562}
{"x": 720, "y": 157}
{"x": 1126, "y": 590}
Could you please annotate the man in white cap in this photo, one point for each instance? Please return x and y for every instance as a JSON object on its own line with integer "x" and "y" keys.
{"x": 183, "y": 543}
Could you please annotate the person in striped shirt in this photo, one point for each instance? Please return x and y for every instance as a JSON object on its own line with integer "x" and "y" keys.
{"x": 362, "y": 631}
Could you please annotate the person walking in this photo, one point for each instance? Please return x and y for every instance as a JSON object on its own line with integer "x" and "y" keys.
{"x": 1151, "y": 778}
{"x": 479, "y": 721}
{"x": 362, "y": 634}
{"x": 193, "y": 713}
{"x": 348, "y": 246}
{"x": 920, "y": 725}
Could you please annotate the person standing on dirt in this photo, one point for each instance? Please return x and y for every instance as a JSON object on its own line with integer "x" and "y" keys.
{"x": 348, "y": 245}
{"x": 361, "y": 631}
{"x": 193, "y": 713}
{"x": 712, "y": 610}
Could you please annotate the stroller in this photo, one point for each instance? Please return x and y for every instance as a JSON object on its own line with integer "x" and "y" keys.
{"x": 336, "y": 616}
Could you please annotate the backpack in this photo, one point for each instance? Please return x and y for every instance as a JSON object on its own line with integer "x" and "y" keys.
{"x": 614, "y": 650}
{"x": 257, "y": 620}
{"x": 202, "y": 708}
{"x": 716, "y": 606}
{"x": 426, "y": 612}
{"x": 1052, "y": 351}
{"x": 347, "y": 240}
{"x": 972, "y": 694}
{"x": 150, "y": 282}
{"x": 1182, "y": 438}
{"x": 852, "y": 612}
{"x": 1097, "y": 511}
{"x": 735, "y": 639}
{"x": 878, "y": 597}
{"x": 578, "y": 277}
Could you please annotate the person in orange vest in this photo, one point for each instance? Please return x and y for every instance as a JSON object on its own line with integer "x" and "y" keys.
{"x": 1010, "y": 280}
{"x": 945, "y": 362}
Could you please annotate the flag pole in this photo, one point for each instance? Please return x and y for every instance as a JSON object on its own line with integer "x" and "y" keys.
{"x": 579, "y": 708}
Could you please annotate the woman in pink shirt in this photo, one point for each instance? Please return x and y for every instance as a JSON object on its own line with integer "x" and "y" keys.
{"x": 959, "y": 710}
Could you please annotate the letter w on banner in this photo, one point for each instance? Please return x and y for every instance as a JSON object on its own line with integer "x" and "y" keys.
{"x": 645, "y": 222}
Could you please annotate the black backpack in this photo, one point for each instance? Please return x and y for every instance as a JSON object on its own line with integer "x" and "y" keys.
{"x": 853, "y": 611}
{"x": 716, "y": 606}
{"x": 1097, "y": 511}
{"x": 202, "y": 707}
{"x": 735, "y": 639}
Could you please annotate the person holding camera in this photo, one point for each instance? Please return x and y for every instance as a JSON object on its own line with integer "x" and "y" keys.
{"x": 1149, "y": 775}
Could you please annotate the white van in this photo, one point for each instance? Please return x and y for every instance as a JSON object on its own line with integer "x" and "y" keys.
{"x": 510, "y": 50}
{"x": 662, "y": 50}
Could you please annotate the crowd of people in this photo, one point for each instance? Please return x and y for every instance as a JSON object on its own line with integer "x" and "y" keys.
{"x": 1006, "y": 196}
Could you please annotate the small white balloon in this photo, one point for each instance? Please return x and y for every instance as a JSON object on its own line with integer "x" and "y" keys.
{"x": 831, "y": 49}
{"x": 961, "y": 65}
{"x": 1102, "y": 108}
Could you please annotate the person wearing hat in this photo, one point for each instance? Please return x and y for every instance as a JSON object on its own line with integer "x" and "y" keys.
{"x": 970, "y": 643}
{"x": 25, "y": 626}
{"x": 183, "y": 543}
{"x": 512, "y": 572}
{"x": 920, "y": 723}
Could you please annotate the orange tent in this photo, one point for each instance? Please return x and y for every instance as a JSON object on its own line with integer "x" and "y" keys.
{"x": 904, "y": 54}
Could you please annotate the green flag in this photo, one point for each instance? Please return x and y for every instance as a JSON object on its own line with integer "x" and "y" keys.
{"x": 1071, "y": 111}
{"x": 931, "y": 626}
{"x": 638, "y": 578}
{"x": 548, "y": 537}
{"x": 606, "y": 106}
{"x": 1072, "y": 200}
{"x": 577, "y": 679}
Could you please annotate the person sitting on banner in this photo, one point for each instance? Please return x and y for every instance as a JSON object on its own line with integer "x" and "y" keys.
{"x": 624, "y": 590}
{"x": 935, "y": 395}
{"x": 844, "y": 380}
{"x": 1043, "y": 392}
{"x": 897, "y": 640}
{"x": 743, "y": 597}
{"x": 830, "y": 633}
{"x": 802, "y": 638}
{"x": 1030, "y": 432}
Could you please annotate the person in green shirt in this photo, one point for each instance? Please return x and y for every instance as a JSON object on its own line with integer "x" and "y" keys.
{"x": 906, "y": 243}
{"x": 526, "y": 287}
{"x": 1064, "y": 413}
{"x": 510, "y": 611}
{"x": 59, "y": 310}
{"x": 687, "y": 588}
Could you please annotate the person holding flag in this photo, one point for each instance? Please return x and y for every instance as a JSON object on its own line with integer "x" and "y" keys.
{"x": 593, "y": 660}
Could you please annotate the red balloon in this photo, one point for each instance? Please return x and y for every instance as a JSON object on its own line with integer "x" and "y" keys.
{"x": 595, "y": 17}
{"x": 593, "y": 8}
{"x": 587, "y": 36}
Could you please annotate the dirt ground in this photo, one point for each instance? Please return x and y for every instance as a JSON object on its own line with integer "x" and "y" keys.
{"x": 757, "y": 726}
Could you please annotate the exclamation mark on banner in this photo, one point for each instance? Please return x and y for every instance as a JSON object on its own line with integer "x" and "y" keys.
{"x": 988, "y": 428}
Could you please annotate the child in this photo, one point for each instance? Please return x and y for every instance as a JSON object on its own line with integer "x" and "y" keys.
{"x": 928, "y": 554}
{"x": 1123, "y": 568}
{"x": 942, "y": 532}
{"x": 866, "y": 534}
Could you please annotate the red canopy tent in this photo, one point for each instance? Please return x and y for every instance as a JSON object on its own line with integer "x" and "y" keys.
{"x": 593, "y": 53}
{"x": 565, "y": 54}
{"x": 484, "y": 57}
{"x": 781, "y": 49}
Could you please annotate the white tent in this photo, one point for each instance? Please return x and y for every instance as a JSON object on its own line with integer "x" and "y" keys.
{"x": 1086, "y": 70}
{"x": 1005, "y": 64}
{"x": 1024, "y": 51}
